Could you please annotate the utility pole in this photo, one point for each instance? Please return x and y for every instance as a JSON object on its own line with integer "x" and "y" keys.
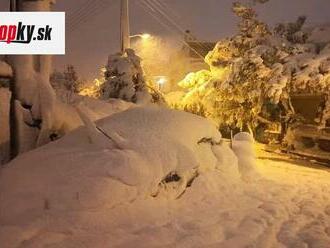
{"x": 124, "y": 26}
{"x": 13, "y": 5}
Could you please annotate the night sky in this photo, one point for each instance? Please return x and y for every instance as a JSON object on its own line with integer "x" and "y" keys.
{"x": 90, "y": 42}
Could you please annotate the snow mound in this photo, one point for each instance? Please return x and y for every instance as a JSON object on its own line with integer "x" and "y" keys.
{"x": 72, "y": 174}
{"x": 243, "y": 136}
{"x": 168, "y": 141}
{"x": 98, "y": 109}
{"x": 243, "y": 146}
{"x": 66, "y": 194}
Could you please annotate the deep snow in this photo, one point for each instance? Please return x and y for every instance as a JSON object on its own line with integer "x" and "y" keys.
{"x": 72, "y": 193}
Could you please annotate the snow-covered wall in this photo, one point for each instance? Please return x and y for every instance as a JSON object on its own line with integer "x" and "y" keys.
{"x": 34, "y": 96}
{"x": 6, "y": 74}
{"x": 5, "y": 97}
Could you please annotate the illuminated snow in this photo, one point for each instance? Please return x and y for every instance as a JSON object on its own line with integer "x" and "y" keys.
{"x": 65, "y": 194}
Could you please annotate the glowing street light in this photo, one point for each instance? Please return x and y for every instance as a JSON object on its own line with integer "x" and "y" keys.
{"x": 161, "y": 81}
{"x": 143, "y": 36}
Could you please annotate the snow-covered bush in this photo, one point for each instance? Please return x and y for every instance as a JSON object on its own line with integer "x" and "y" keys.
{"x": 67, "y": 83}
{"x": 125, "y": 79}
{"x": 94, "y": 89}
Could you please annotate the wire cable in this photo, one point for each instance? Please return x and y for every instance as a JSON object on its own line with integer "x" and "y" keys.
{"x": 176, "y": 25}
{"x": 77, "y": 14}
{"x": 91, "y": 8}
{"x": 150, "y": 11}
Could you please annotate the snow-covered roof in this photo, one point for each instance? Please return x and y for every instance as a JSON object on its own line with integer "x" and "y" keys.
{"x": 199, "y": 48}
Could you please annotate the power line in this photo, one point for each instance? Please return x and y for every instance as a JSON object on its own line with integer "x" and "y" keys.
{"x": 169, "y": 28}
{"x": 84, "y": 17}
{"x": 158, "y": 11}
{"x": 164, "y": 14}
{"x": 147, "y": 9}
{"x": 87, "y": 11}
{"x": 165, "y": 6}
{"x": 146, "y": 5}
{"x": 176, "y": 26}
{"x": 172, "y": 20}
{"x": 76, "y": 15}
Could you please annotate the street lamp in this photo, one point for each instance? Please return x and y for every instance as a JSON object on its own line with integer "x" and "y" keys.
{"x": 143, "y": 36}
{"x": 160, "y": 82}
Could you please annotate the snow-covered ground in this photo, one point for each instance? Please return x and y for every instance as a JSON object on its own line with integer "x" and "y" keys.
{"x": 72, "y": 193}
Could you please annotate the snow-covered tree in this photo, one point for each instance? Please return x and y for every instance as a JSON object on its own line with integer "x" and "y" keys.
{"x": 93, "y": 89}
{"x": 125, "y": 79}
{"x": 293, "y": 31}
{"x": 67, "y": 80}
{"x": 235, "y": 70}
{"x": 253, "y": 74}
{"x": 67, "y": 84}
{"x": 72, "y": 82}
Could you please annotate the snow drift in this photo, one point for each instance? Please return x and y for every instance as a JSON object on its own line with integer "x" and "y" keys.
{"x": 72, "y": 193}
{"x": 72, "y": 174}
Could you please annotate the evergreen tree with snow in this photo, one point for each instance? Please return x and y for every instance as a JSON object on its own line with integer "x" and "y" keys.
{"x": 125, "y": 79}
{"x": 67, "y": 84}
{"x": 72, "y": 82}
